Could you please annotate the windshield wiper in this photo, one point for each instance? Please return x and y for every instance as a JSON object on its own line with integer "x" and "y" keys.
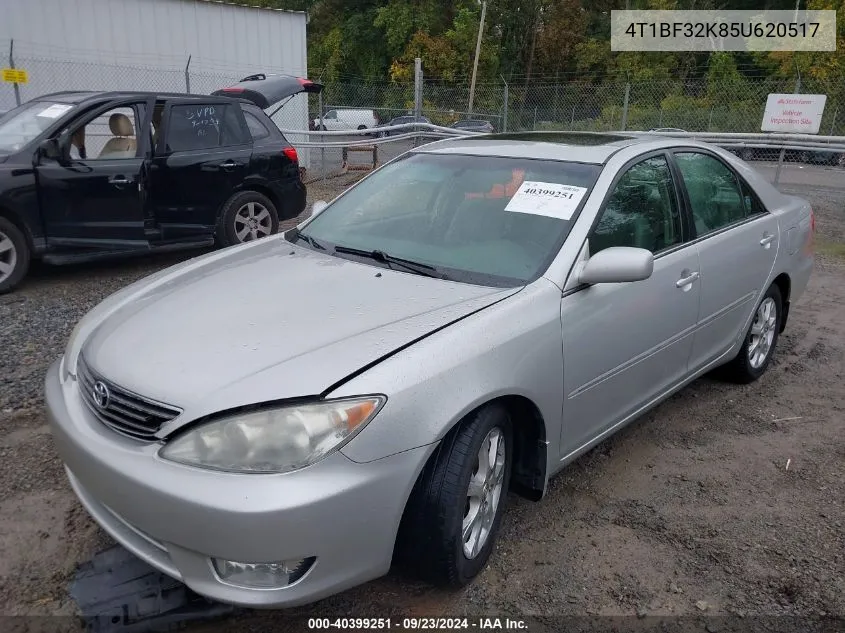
{"x": 380, "y": 256}
{"x": 299, "y": 236}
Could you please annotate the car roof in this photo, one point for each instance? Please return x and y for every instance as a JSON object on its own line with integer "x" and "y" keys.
{"x": 583, "y": 147}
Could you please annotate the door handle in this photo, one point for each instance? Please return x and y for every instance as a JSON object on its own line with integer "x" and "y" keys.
{"x": 120, "y": 180}
{"x": 229, "y": 164}
{"x": 686, "y": 281}
{"x": 768, "y": 238}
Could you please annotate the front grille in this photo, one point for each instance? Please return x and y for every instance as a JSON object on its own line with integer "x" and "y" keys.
{"x": 119, "y": 408}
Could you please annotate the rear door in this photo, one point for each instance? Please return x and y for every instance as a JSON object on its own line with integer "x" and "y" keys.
{"x": 201, "y": 159}
{"x": 738, "y": 242}
{"x": 96, "y": 196}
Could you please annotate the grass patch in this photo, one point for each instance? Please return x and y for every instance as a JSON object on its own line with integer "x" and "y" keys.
{"x": 830, "y": 249}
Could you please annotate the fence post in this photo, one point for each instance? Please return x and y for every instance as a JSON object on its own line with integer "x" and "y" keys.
{"x": 188, "y": 76}
{"x": 833, "y": 122}
{"x": 797, "y": 78}
{"x": 624, "y": 125}
{"x": 418, "y": 95}
{"x": 572, "y": 119}
{"x": 660, "y": 123}
{"x": 780, "y": 164}
{"x": 534, "y": 128}
{"x": 12, "y": 65}
{"x": 504, "y": 106}
{"x": 710, "y": 120}
{"x": 322, "y": 138}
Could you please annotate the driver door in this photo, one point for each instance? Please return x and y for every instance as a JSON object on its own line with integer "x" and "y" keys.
{"x": 94, "y": 197}
{"x": 625, "y": 344}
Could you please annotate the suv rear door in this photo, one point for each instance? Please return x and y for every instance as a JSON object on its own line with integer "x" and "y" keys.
{"x": 95, "y": 195}
{"x": 201, "y": 158}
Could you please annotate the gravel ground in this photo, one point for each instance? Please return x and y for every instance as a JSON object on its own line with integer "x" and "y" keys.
{"x": 690, "y": 511}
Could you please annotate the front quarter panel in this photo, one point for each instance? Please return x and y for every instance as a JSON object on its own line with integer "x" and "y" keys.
{"x": 511, "y": 348}
{"x": 19, "y": 195}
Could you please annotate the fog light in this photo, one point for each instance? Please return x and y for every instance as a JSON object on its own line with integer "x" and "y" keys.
{"x": 262, "y": 575}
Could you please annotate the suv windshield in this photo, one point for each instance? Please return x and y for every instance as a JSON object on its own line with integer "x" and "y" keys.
{"x": 478, "y": 219}
{"x": 22, "y": 125}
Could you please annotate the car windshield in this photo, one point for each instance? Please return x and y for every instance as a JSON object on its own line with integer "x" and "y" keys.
{"x": 477, "y": 219}
{"x": 25, "y": 123}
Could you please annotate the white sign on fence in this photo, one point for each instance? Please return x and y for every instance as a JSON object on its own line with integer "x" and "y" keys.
{"x": 798, "y": 114}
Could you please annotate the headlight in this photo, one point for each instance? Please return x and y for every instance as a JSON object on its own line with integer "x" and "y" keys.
{"x": 273, "y": 440}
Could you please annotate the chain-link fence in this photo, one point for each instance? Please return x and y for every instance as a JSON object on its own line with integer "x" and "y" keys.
{"x": 714, "y": 105}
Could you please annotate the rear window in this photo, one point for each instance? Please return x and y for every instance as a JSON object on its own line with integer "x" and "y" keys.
{"x": 256, "y": 128}
{"x": 204, "y": 126}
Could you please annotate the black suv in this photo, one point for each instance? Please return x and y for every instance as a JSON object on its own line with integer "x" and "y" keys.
{"x": 85, "y": 175}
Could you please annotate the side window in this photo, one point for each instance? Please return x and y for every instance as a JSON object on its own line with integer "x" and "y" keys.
{"x": 642, "y": 210}
{"x": 753, "y": 206}
{"x": 714, "y": 195}
{"x": 109, "y": 136}
{"x": 256, "y": 127}
{"x": 203, "y": 126}
{"x": 331, "y": 114}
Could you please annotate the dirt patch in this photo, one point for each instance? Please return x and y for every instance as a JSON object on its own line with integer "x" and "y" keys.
{"x": 690, "y": 510}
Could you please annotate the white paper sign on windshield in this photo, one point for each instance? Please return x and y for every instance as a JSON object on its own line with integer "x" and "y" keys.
{"x": 546, "y": 198}
{"x": 54, "y": 111}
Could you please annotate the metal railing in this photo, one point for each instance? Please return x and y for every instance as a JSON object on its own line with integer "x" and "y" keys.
{"x": 769, "y": 153}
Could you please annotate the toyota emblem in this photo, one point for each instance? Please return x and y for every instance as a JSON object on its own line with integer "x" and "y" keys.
{"x": 101, "y": 395}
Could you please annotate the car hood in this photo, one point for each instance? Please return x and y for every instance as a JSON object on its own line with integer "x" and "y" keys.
{"x": 268, "y": 322}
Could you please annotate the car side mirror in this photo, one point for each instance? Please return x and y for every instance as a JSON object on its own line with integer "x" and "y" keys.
{"x": 50, "y": 148}
{"x": 317, "y": 207}
{"x": 617, "y": 264}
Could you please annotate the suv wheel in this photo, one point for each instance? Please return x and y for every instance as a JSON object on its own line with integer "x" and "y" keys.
{"x": 247, "y": 216}
{"x": 14, "y": 255}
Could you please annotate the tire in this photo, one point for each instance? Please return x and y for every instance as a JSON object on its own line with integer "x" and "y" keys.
{"x": 14, "y": 256}
{"x": 431, "y": 543}
{"x": 749, "y": 364}
{"x": 236, "y": 226}
{"x": 746, "y": 155}
{"x": 362, "y": 127}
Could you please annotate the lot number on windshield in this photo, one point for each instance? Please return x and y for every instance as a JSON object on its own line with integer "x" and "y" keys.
{"x": 546, "y": 198}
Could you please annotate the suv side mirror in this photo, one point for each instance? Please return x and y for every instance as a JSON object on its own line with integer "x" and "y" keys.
{"x": 50, "y": 148}
{"x": 617, "y": 264}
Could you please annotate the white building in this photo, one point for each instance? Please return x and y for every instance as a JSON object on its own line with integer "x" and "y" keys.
{"x": 146, "y": 45}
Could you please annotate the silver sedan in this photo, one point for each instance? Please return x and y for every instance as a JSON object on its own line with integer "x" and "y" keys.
{"x": 282, "y": 420}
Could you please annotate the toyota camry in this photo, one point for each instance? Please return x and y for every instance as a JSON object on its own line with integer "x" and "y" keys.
{"x": 281, "y": 420}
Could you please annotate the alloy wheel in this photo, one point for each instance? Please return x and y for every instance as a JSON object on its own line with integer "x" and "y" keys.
{"x": 484, "y": 493}
{"x": 252, "y": 221}
{"x": 8, "y": 256}
{"x": 762, "y": 333}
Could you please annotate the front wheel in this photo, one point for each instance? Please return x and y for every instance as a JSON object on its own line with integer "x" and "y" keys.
{"x": 450, "y": 525}
{"x": 760, "y": 340}
{"x": 14, "y": 255}
{"x": 247, "y": 216}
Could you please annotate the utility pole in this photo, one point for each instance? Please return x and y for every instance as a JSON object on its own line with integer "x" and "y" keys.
{"x": 477, "y": 55}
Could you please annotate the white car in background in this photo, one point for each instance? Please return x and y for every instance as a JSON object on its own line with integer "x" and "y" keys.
{"x": 347, "y": 119}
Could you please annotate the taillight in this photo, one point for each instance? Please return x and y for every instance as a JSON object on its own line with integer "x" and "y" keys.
{"x": 290, "y": 154}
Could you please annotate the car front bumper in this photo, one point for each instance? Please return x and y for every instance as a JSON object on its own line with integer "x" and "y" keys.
{"x": 177, "y": 518}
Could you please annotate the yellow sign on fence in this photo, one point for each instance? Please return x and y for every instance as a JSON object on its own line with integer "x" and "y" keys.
{"x": 15, "y": 75}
